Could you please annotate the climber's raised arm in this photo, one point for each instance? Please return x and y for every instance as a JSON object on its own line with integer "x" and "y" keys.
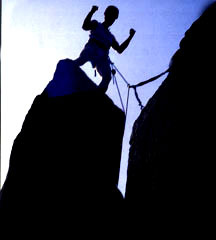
{"x": 124, "y": 45}
{"x": 88, "y": 24}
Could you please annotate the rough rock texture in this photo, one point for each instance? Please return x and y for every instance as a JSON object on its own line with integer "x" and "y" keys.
{"x": 171, "y": 161}
{"x": 64, "y": 164}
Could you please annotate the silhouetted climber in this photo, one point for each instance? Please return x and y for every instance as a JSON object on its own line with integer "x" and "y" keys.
{"x": 100, "y": 40}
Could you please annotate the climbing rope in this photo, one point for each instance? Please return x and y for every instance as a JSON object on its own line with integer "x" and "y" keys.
{"x": 128, "y": 94}
{"x": 114, "y": 69}
{"x": 138, "y": 99}
{"x": 149, "y": 80}
{"x": 115, "y": 82}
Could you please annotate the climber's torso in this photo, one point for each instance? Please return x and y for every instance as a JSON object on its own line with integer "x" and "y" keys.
{"x": 100, "y": 41}
{"x": 102, "y": 36}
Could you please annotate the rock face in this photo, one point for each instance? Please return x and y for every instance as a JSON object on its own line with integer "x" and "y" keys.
{"x": 64, "y": 164}
{"x": 171, "y": 161}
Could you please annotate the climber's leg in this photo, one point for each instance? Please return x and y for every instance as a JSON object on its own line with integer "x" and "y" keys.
{"x": 104, "y": 70}
{"x": 80, "y": 61}
{"x": 83, "y": 58}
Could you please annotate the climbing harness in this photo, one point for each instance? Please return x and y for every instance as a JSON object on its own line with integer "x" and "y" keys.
{"x": 114, "y": 69}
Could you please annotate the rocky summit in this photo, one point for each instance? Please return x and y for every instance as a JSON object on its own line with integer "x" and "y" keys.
{"x": 64, "y": 164}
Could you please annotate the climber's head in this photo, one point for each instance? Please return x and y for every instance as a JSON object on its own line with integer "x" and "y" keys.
{"x": 110, "y": 15}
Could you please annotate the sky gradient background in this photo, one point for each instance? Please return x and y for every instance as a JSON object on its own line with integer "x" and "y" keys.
{"x": 36, "y": 34}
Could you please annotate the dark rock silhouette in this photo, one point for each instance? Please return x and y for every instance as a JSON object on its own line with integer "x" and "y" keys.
{"x": 64, "y": 164}
{"x": 171, "y": 161}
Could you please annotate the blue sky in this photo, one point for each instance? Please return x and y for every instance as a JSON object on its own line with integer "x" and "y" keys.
{"x": 37, "y": 34}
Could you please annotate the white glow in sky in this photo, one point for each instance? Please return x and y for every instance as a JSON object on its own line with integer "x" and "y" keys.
{"x": 37, "y": 34}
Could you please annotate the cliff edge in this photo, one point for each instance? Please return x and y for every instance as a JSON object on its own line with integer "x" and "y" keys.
{"x": 171, "y": 161}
